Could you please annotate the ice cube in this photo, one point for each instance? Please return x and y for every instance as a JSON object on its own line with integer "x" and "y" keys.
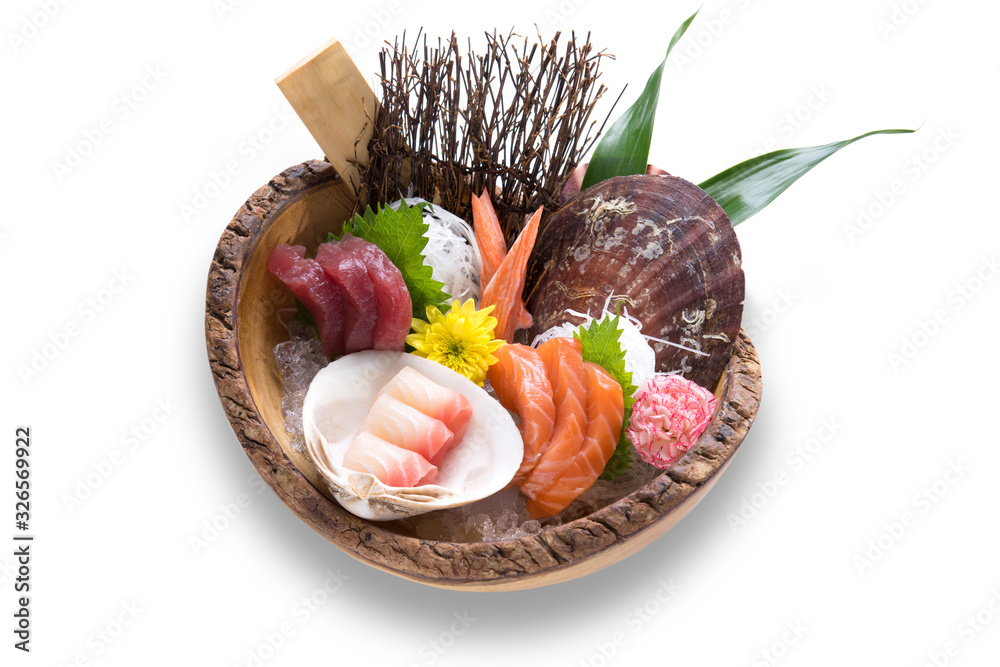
{"x": 299, "y": 359}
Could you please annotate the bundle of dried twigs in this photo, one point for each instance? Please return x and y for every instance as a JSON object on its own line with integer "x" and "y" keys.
{"x": 514, "y": 121}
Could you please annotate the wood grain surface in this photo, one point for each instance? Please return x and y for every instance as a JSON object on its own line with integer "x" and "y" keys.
{"x": 336, "y": 104}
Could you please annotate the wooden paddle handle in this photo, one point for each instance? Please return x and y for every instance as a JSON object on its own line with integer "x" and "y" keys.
{"x": 336, "y": 104}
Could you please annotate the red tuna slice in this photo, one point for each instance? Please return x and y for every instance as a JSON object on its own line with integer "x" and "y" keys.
{"x": 416, "y": 390}
{"x": 395, "y": 309}
{"x": 318, "y": 293}
{"x": 392, "y": 465}
{"x": 406, "y": 427}
{"x": 360, "y": 306}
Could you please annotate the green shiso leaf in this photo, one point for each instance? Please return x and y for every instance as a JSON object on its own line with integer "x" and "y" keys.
{"x": 624, "y": 149}
{"x": 400, "y": 233}
{"x": 745, "y": 189}
{"x": 600, "y": 344}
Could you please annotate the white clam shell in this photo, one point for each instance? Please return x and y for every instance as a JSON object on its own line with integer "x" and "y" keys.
{"x": 338, "y": 401}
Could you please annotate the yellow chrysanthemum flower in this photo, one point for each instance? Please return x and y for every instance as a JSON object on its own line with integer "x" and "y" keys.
{"x": 462, "y": 339}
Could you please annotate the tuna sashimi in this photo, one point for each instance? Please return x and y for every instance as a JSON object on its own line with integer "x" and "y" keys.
{"x": 395, "y": 309}
{"x": 392, "y": 465}
{"x": 360, "y": 304}
{"x": 318, "y": 293}
{"x": 413, "y": 388}
{"x": 406, "y": 427}
{"x": 564, "y": 366}
{"x": 522, "y": 386}
{"x": 605, "y": 413}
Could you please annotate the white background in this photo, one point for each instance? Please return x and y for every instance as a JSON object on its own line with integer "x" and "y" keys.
{"x": 825, "y": 552}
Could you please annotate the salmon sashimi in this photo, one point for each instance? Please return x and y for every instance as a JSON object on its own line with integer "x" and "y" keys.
{"x": 564, "y": 366}
{"x": 504, "y": 290}
{"x": 489, "y": 237}
{"x": 395, "y": 308}
{"x": 605, "y": 413}
{"x": 360, "y": 304}
{"x": 391, "y": 465}
{"x": 522, "y": 386}
{"x": 318, "y": 293}
{"x": 417, "y": 391}
{"x": 406, "y": 427}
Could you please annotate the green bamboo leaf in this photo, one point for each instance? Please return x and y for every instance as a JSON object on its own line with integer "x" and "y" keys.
{"x": 624, "y": 149}
{"x": 745, "y": 189}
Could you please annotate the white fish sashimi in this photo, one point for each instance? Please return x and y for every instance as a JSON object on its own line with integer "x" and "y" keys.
{"x": 390, "y": 464}
{"x": 430, "y": 398}
{"x": 404, "y": 426}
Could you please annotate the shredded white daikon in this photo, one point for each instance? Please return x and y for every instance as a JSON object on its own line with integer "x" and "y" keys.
{"x": 451, "y": 251}
{"x": 640, "y": 359}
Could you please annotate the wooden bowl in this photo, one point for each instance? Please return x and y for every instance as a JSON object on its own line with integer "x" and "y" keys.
{"x": 301, "y": 205}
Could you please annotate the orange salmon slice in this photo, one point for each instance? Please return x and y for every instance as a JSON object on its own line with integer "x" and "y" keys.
{"x": 564, "y": 367}
{"x": 522, "y": 386}
{"x": 605, "y": 414}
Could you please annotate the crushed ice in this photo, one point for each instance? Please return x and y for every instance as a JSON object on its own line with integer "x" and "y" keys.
{"x": 502, "y": 516}
{"x": 298, "y": 359}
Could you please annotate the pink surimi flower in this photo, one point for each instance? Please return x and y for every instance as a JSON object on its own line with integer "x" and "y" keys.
{"x": 667, "y": 418}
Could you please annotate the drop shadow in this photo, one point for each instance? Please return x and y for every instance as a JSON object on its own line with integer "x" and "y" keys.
{"x": 549, "y": 610}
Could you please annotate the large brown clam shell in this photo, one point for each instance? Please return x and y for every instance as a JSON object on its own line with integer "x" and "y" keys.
{"x": 575, "y": 181}
{"x": 661, "y": 247}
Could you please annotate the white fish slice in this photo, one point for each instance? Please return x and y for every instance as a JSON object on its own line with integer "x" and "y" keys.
{"x": 337, "y": 403}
